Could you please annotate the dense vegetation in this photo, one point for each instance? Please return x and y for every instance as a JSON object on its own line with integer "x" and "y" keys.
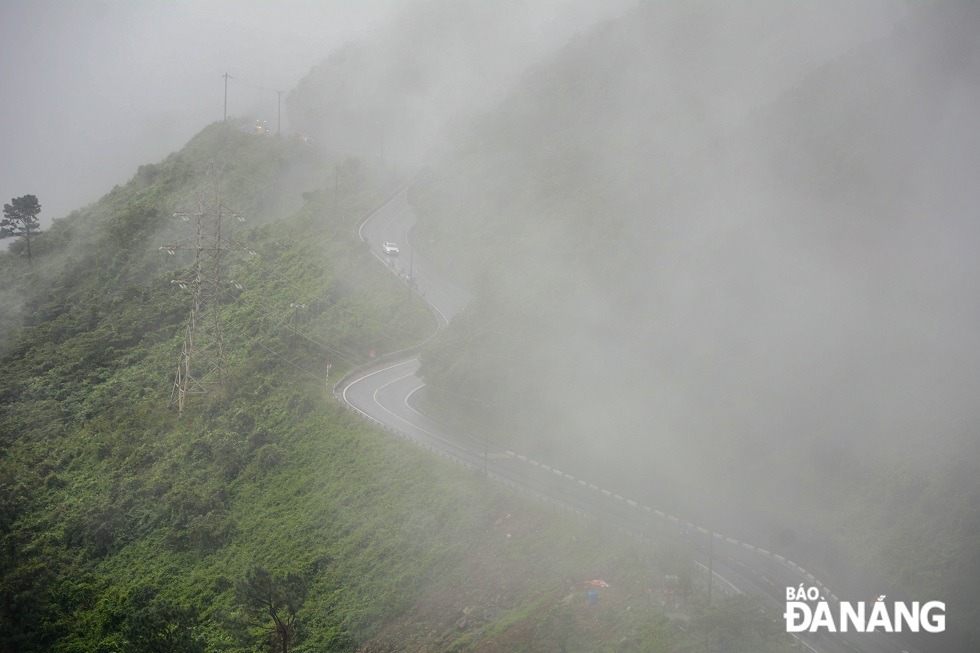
{"x": 767, "y": 313}
{"x": 115, "y": 511}
{"x": 267, "y": 517}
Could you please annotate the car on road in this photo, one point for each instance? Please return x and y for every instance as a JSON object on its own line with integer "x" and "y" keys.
{"x": 390, "y": 248}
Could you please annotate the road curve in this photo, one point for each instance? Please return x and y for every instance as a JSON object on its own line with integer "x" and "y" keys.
{"x": 384, "y": 392}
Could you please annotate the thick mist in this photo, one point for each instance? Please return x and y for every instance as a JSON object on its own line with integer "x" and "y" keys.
{"x": 93, "y": 90}
{"x": 405, "y": 91}
{"x": 731, "y": 247}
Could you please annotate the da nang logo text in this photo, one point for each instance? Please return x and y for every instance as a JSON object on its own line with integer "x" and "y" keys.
{"x": 807, "y": 611}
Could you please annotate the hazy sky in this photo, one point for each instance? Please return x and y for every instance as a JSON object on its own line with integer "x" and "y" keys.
{"x": 92, "y": 90}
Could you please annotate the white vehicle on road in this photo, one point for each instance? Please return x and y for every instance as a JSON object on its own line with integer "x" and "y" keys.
{"x": 390, "y": 248}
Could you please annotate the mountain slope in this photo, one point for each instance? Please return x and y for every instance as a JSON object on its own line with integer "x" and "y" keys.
{"x": 113, "y": 508}
{"x": 124, "y": 527}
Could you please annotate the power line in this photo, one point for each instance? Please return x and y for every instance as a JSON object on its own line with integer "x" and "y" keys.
{"x": 202, "y": 361}
{"x": 226, "y": 77}
{"x": 258, "y": 341}
{"x": 386, "y": 327}
{"x": 352, "y": 358}
{"x": 258, "y": 86}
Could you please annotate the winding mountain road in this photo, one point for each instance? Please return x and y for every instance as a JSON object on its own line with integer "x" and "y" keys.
{"x": 384, "y": 394}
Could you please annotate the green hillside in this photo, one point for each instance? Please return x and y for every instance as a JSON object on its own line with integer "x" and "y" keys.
{"x": 124, "y": 527}
{"x": 772, "y": 311}
{"x": 112, "y": 506}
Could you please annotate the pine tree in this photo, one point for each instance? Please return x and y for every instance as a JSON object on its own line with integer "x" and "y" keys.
{"x": 20, "y": 220}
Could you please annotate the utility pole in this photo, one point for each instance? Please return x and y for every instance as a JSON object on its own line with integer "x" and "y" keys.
{"x": 202, "y": 357}
{"x": 486, "y": 438}
{"x": 711, "y": 562}
{"x": 279, "y": 116}
{"x": 227, "y": 77}
{"x": 411, "y": 273}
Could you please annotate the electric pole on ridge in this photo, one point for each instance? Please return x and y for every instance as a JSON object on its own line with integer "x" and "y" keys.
{"x": 202, "y": 357}
{"x": 227, "y": 77}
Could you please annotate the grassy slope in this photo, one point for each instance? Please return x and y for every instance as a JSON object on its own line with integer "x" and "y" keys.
{"x": 118, "y": 520}
{"x": 105, "y": 491}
